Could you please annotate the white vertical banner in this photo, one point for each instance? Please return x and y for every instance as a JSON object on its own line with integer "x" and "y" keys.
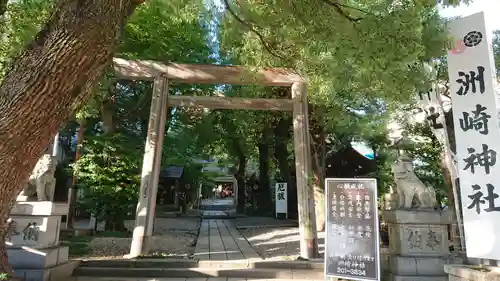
{"x": 430, "y": 103}
{"x": 281, "y": 195}
{"x": 477, "y": 133}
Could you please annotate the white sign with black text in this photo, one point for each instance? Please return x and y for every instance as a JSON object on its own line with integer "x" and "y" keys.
{"x": 281, "y": 196}
{"x": 471, "y": 71}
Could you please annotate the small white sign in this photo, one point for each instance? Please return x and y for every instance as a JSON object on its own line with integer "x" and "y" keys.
{"x": 281, "y": 195}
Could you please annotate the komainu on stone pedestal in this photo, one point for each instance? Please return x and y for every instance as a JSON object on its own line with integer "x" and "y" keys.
{"x": 42, "y": 181}
{"x": 411, "y": 193}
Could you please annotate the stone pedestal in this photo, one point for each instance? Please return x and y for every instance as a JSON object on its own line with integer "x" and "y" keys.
{"x": 418, "y": 245}
{"x": 33, "y": 242}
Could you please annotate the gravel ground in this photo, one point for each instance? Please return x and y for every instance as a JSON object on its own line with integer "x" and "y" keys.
{"x": 167, "y": 225}
{"x": 278, "y": 243}
{"x": 173, "y": 237}
{"x": 175, "y": 245}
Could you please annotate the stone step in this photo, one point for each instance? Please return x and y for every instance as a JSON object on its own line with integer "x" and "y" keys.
{"x": 83, "y": 278}
{"x": 263, "y": 273}
{"x": 221, "y": 217}
{"x": 220, "y": 264}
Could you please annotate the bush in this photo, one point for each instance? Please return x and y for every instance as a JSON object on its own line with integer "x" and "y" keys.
{"x": 108, "y": 173}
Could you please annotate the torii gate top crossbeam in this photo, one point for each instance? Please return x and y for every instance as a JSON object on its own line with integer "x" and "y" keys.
{"x": 204, "y": 74}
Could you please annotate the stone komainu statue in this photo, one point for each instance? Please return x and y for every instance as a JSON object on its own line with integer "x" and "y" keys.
{"x": 42, "y": 180}
{"x": 410, "y": 190}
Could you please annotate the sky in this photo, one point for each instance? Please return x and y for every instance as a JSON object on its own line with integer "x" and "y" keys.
{"x": 490, "y": 7}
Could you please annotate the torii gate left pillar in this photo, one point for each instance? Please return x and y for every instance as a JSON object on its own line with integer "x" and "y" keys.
{"x": 145, "y": 212}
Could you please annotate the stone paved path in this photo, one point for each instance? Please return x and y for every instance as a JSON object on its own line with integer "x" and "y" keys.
{"x": 220, "y": 240}
{"x": 214, "y": 214}
{"x": 218, "y": 201}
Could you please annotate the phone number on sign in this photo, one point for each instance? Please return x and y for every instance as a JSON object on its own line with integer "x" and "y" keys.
{"x": 358, "y": 272}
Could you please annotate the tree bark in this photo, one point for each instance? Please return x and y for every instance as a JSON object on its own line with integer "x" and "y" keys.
{"x": 107, "y": 117}
{"x": 44, "y": 86}
{"x": 447, "y": 181}
{"x": 240, "y": 177}
{"x": 71, "y": 209}
{"x": 319, "y": 190}
{"x": 454, "y": 233}
{"x": 316, "y": 136}
{"x": 281, "y": 154}
{"x": 3, "y": 9}
{"x": 263, "y": 192}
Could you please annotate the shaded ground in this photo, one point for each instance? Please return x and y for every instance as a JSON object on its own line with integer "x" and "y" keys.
{"x": 167, "y": 225}
{"x": 252, "y": 222}
{"x": 278, "y": 243}
{"x": 173, "y": 238}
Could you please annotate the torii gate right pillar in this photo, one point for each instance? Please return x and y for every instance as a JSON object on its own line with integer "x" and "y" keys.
{"x": 303, "y": 167}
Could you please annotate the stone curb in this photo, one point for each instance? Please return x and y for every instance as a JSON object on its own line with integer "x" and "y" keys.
{"x": 267, "y": 225}
{"x": 219, "y": 217}
{"x": 178, "y": 264}
{"x": 262, "y": 273}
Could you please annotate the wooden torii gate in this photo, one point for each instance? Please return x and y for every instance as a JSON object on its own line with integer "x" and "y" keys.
{"x": 161, "y": 74}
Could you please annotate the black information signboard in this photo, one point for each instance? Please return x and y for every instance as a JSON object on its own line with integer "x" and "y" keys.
{"x": 352, "y": 230}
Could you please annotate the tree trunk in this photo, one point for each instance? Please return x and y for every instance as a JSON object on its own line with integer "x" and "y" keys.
{"x": 447, "y": 181}
{"x": 454, "y": 233}
{"x": 177, "y": 202}
{"x": 44, "y": 86}
{"x": 281, "y": 154}
{"x": 316, "y": 138}
{"x": 72, "y": 200}
{"x": 3, "y": 7}
{"x": 240, "y": 177}
{"x": 319, "y": 190}
{"x": 263, "y": 192}
{"x": 183, "y": 197}
{"x": 107, "y": 117}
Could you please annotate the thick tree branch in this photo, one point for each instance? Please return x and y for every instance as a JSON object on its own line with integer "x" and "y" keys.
{"x": 3, "y": 11}
{"x": 297, "y": 13}
{"x": 3, "y": 7}
{"x": 252, "y": 29}
{"x": 338, "y": 7}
